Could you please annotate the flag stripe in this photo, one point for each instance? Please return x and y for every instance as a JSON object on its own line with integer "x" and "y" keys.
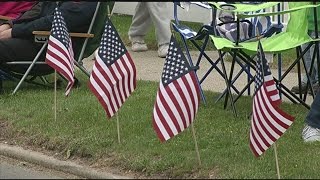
{"x": 55, "y": 62}
{"x": 179, "y": 110}
{"x": 161, "y": 120}
{"x": 95, "y": 88}
{"x": 187, "y": 87}
{"x": 268, "y": 121}
{"x": 57, "y": 48}
{"x": 59, "y": 53}
{"x": 99, "y": 83}
{"x": 170, "y": 108}
{"x": 103, "y": 80}
{"x": 178, "y": 95}
{"x": 113, "y": 77}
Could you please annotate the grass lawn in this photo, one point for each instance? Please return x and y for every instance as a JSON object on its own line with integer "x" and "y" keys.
{"x": 83, "y": 130}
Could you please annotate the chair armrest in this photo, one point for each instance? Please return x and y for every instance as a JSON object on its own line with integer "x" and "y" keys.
{"x": 47, "y": 33}
{"x": 5, "y": 18}
{"x": 277, "y": 13}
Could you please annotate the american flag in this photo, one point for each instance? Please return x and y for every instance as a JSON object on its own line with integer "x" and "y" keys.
{"x": 113, "y": 77}
{"x": 60, "y": 53}
{"x": 177, "y": 97}
{"x": 268, "y": 121}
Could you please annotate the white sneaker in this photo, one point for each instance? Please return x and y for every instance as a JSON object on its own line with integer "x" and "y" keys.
{"x": 163, "y": 50}
{"x": 310, "y": 134}
{"x": 139, "y": 46}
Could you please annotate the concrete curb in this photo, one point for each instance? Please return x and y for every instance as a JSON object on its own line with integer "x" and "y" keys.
{"x": 50, "y": 162}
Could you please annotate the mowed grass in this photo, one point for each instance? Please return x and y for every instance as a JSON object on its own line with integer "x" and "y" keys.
{"x": 83, "y": 129}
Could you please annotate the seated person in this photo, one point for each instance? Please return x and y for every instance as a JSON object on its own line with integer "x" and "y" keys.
{"x": 16, "y": 38}
{"x": 13, "y": 9}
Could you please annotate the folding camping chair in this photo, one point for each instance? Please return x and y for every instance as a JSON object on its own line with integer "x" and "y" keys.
{"x": 91, "y": 42}
{"x": 294, "y": 36}
{"x": 188, "y": 34}
{"x": 249, "y": 28}
{"x": 199, "y": 39}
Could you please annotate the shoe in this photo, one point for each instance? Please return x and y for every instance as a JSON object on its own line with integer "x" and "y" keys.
{"x": 139, "y": 47}
{"x": 138, "y": 44}
{"x": 315, "y": 87}
{"x": 163, "y": 50}
{"x": 310, "y": 134}
{"x": 295, "y": 89}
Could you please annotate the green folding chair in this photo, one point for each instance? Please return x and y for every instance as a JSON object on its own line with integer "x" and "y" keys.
{"x": 293, "y": 37}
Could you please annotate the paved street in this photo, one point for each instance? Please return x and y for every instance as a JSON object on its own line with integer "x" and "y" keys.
{"x": 14, "y": 169}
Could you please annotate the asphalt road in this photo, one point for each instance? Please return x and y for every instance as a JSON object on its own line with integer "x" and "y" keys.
{"x": 14, "y": 169}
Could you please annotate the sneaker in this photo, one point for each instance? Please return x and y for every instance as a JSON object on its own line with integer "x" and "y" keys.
{"x": 295, "y": 89}
{"x": 315, "y": 87}
{"x": 139, "y": 46}
{"x": 163, "y": 50}
{"x": 310, "y": 134}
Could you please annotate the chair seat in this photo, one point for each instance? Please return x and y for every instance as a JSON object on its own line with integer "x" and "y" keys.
{"x": 277, "y": 43}
{"x": 187, "y": 32}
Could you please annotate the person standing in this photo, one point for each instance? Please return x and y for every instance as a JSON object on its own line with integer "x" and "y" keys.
{"x": 311, "y": 131}
{"x": 308, "y": 56}
{"x": 145, "y": 14}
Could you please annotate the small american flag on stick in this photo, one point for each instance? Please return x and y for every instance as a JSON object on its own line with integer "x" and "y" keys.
{"x": 268, "y": 121}
{"x": 60, "y": 53}
{"x": 177, "y": 99}
{"x": 113, "y": 77}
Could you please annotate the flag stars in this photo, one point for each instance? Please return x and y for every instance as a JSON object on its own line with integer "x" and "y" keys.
{"x": 113, "y": 47}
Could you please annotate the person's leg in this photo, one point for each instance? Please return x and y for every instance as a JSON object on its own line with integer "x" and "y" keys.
{"x": 311, "y": 131}
{"x": 14, "y": 49}
{"x": 141, "y": 22}
{"x": 308, "y": 59}
{"x": 160, "y": 17}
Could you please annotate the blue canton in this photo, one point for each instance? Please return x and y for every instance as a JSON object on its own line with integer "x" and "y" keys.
{"x": 176, "y": 64}
{"x": 111, "y": 47}
{"x": 59, "y": 29}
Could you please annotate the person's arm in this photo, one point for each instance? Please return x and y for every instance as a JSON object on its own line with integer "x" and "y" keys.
{"x": 76, "y": 15}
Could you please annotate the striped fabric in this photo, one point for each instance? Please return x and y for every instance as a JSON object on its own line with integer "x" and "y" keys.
{"x": 60, "y": 53}
{"x": 113, "y": 77}
{"x": 178, "y": 96}
{"x": 268, "y": 121}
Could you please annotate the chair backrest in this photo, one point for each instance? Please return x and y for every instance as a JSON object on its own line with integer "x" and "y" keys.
{"x": 97, "y": 29}
{"x": 298, "y": 22}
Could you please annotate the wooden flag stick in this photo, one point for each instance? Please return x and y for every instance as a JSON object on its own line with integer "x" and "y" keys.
{"x": 196, "y": 144}
{"x": 118, "y": 127}
{"x": 55, "y": 95}
{"x": 276, "y": 156}
{"x": 108, "y": 10}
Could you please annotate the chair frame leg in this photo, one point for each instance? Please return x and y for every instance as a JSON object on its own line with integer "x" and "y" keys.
{"x": 227, "y": 83}
{"x": 30, "y": 67}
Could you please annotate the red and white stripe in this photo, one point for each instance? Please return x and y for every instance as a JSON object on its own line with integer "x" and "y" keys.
{"x": 62, "y": 60}
{"x": 268, "y": 122}
{"x": 113, "y": 85}
{"x": 176, "y": 106}
{"x": 272, "y": 90}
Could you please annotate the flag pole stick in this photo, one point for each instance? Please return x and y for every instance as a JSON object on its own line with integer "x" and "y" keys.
{"x": 118, "y": 127}
{"x": 274, "y": 145}
{"x": 276, "y": 156}
{"x": 55, "y": 95}
{"x": 196, "y": 144}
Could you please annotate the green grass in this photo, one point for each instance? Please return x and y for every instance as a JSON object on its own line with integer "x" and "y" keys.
{"x": 83, "y": 129}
